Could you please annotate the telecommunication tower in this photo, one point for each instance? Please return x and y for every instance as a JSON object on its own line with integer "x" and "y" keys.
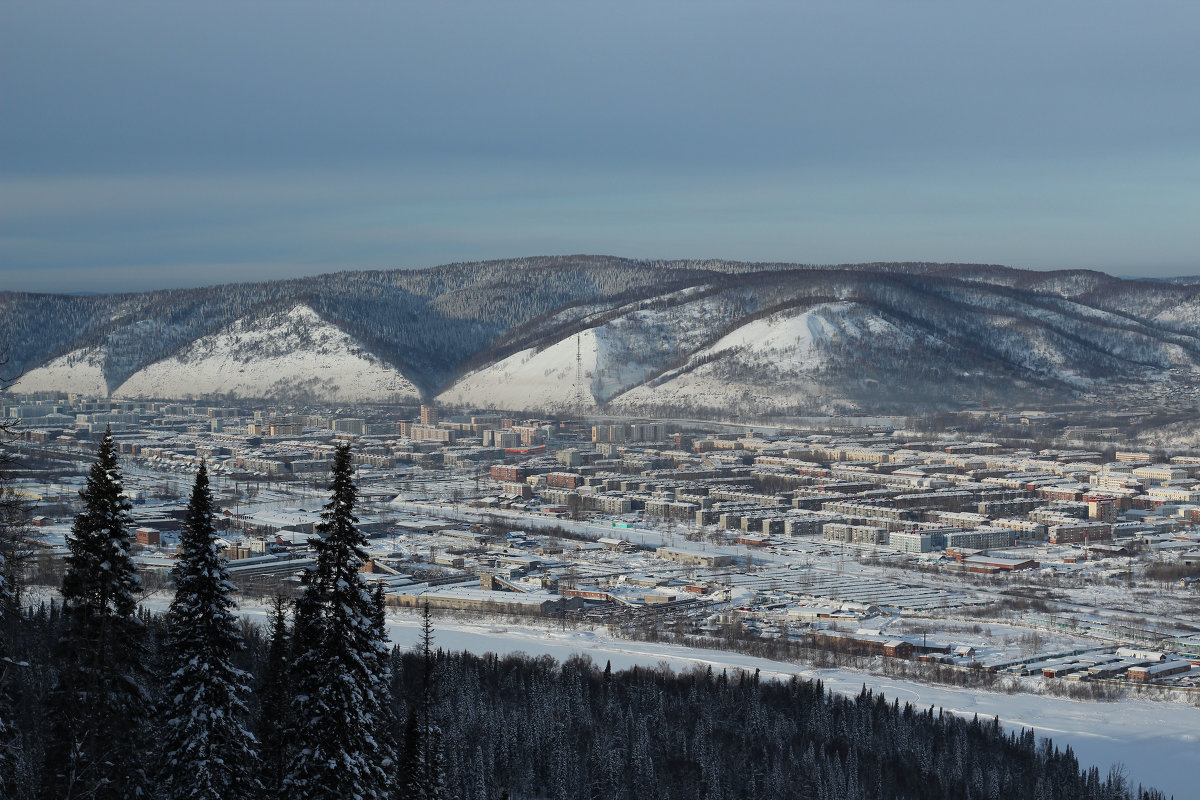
{"x": 579, "y": 372}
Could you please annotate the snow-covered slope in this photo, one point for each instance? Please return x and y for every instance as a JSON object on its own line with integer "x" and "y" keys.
{"x": 631, "y": 345}
{"x": 80, "y": 371}
{"x": 794, "y": 341}
{"x": 293, "y": 356}
{"x": 653, "y": 337}
{"x": 773, "y": 362}
{"x": 819, "y": 348}
{"x": 536, "y": 379}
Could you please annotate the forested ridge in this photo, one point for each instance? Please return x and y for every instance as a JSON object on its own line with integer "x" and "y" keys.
{"x": 1056, "y": 331}
{"x": 425, "y": 322}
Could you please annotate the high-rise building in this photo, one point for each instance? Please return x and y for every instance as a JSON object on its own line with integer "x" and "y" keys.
{"x": 429, "y": 415}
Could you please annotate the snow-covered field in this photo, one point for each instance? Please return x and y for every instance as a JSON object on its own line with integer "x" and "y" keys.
{"x": 795, "y": 339}
{"x": 1156, "y": 741}
{"x": 620, "y": 353}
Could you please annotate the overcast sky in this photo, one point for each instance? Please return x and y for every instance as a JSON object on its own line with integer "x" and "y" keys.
{"x": 164, "y": 144}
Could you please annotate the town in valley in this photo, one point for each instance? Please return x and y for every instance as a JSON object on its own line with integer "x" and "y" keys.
{"x": 1068, "y": 564}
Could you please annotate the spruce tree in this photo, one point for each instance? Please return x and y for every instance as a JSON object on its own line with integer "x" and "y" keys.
{"x": 430, "y": 768}
{"x": 409, "y": 774}
{"x": 208, "y": 752}
{"x": 99, "y": 704}
{"x": 8, "y": 733}
{"x": 380, "y": 669}
{"x": 10, "y": 527}
{"x": 338, "y": 751}
{"x": 274, "y": 724}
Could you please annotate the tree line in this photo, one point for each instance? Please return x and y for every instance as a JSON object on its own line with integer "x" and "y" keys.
{"x": 101, "y": 699}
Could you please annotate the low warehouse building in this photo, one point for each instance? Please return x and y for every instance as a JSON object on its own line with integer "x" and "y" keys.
{"x": 694, "y": 558}
{"x": 462, "y": 598}
{"x": 1149, "y": 673}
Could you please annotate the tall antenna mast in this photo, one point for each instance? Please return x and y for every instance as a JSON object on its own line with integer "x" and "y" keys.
{"x": 579, "y": 372}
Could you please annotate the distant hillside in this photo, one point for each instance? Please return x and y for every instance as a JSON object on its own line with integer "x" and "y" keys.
{"x": 648, "y": 336}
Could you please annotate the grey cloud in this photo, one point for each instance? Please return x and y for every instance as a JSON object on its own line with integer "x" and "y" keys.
{"x": 375, "y": 134}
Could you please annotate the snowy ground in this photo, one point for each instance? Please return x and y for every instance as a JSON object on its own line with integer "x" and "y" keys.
{"x": 1157, "y": 741}
{"x": 621, "y": 352}
{"x": 78, "y": 371}
{"x": 292, "y": 353}
{"x": 775, "y": 360}
{"x": 1177, "y": 436}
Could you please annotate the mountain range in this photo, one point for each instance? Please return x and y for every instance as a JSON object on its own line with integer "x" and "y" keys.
{"x": 587, "y": 333}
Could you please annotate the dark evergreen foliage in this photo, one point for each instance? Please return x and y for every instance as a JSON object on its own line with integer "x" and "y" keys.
{"x": 338, "y": 751}
{"x": 274, "y": 722}
{"x": 424, "y": 742}
{"x": 379, "y": 657}
{"x": 208, "y": 753}
{"x": 536, "y": 728}
{"x": 12, "y": 525}
{"x": 98, "y": 707}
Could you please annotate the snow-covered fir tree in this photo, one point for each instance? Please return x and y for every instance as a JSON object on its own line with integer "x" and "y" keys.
{"x": 7, "y": 730}
{"x": 273, "y": 727}
{"x": 381, "y": 673}
{"x": 338, "y": 751}
{"x": 9, "y": 738}
{"x": 208, "y": 752}
{"x": 428, "y": 773}
{"x": 7, "y": 595}
{"x": 99, "y": 704}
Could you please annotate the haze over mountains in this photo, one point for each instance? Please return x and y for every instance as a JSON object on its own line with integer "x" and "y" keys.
{"x": 581, "y": 333}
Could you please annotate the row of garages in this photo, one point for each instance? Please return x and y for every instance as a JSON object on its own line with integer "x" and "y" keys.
{"x": 1138, "y": 666}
